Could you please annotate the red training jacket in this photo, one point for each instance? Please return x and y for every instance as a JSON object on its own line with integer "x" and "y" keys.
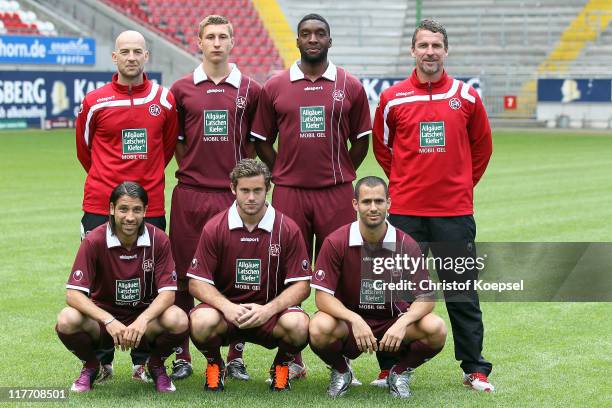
{"x": 433, "y": 140}
{"x": 126, "y": 135}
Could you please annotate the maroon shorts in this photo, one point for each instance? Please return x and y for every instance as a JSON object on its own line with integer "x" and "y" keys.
{"x": 191, "y": 209}
{"x": 106, "y": 340}
{"x": 318, "y": 212}
{"x": 379, "y": 328}
{"x": 262, "y": 335}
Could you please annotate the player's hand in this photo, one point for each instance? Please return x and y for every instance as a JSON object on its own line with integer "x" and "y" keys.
{"x": 393, "y": 338}
{"x": 232, "y": 313}
{"x": 116, "y": 329}
{"x": 366, "y": 342}
{"x": 256, "y": 316}
{"x": 133, "y": 333}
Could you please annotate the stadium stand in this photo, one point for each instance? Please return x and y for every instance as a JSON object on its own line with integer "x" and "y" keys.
{"x": 16, "y": 21}
{"x": 177, "y": 21}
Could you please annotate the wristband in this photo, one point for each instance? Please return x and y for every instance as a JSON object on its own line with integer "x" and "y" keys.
{"x": 109, "y": 321}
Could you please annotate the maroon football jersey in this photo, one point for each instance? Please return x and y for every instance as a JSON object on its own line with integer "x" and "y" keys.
{"x": 313, "y": 120}
{"x": 250, "y": 267}
{"x": 346, "y": 269}
{"x": 123, "y": 282}
{"x": 214, "y": 121}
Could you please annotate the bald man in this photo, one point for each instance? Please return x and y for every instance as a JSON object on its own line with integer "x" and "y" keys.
{"x": 126, "y": 131}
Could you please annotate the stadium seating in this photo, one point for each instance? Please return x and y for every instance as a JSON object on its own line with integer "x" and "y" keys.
{"x": 16, "y": 21}
{"x": 177, "y": 21}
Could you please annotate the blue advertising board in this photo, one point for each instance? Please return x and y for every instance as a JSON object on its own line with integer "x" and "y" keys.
{"x": 575, "y": 90}
{"x": 375, "y": 85}
{"x": 27, "y": 49}
{"x": 27, "y": 96}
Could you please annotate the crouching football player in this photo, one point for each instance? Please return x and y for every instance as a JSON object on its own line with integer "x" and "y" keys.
{"x": 121, "y": 292}
{"x": 356, "y": 314}
{"x": 250, "y": 271}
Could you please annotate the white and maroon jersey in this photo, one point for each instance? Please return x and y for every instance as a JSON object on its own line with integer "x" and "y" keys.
{"x": 313, "y": 121}
{"x": 250, "y": 267}
{"x": 345, "y": 268}
{"x": 433, "y": 140}
{"x": 123, "y": 282}
{"x": 214, "y": 124}
{"x": 122, "y": 135}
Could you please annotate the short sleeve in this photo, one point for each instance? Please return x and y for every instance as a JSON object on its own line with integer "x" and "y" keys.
{"x": 328, "y": 268}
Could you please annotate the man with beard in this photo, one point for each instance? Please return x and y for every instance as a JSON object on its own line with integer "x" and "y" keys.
{"x": 356, "y": 312}
{"x": 251, "y": 272}
{"x": 125, "y": 130}
{"x": 121, "y": 292}
{"x": 433, "y": 140}
{"x": 314, "y": 109}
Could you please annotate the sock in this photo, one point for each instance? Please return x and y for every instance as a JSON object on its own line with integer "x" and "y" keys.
{"x": 416, "y": 354}
{"x": 183, "y": 353}
{"x": 286, "y": 353}
{"x": 164, "y": 345}
{"x": 211, "y": 349}
{"x": 235, "y": 350}
{"x": 81, "y": 345}
{"x": 297, "y": 359}
{"x": 332, "y": 355}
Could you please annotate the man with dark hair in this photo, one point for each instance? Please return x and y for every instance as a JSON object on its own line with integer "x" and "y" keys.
{"x": 433, "y": 140}
{"x": 251, "y": 272}
{"x": 356, "y": 313}
{"x": 121, "y": 292}
{"x": 125, "y": 130}
{"x": 314, "y": 109}
{"x": 216, "y": 105}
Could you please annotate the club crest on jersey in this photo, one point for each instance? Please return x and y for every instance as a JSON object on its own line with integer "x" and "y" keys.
{"x": 241, "y": 102}
{"x": 147, "y": 265}
{"x": 154, "y": 109}
{"x": 275, "y": 250}
{"x": 320, "y": 275}
{"x": 338, "y": 95}
{"x": 77, "y": 275}
{"x": 454, "y": 103}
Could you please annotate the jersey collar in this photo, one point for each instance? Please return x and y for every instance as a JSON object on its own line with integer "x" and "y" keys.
{"x": 234, "y": 77}
{"x": 112, "y": 241}
{"x": 295, "y": 73}
{"x": 355, "y": 238}
{"x": 267, "y": 222}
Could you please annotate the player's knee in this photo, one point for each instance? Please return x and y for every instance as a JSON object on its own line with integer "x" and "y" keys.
{"x": 69, "y": 320}
{"x": 175, "y": 320}
{"x": 320, "y": 329}
{"x": 435, "y": 329}
{"x": 295, "y": 326}
{"x": 203, "y": 323}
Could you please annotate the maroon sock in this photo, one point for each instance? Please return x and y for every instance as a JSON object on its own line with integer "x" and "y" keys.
{"x": 81, "y": 345}
{"x": 211, "y": 349}
{"x": 332, "y": 356}
{"x": 183, "y": 353}
{"x": 235, "y": 350}
{"x": 297, "y": 359}
{"x": 415, "y": 354}
{"x": 164, "y": 345}
{"x": 286, "y": 353}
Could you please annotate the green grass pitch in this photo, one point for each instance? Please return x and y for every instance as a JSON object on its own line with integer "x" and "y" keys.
{"x": 540, "y": 186}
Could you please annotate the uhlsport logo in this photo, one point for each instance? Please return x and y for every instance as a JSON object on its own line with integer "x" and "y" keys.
{"x": 320, "y": 275}
{"x": 77, "y": 275}
{"x": 454, "y": 103}
{"x": 154, "y": 109}
{"x": 241, "y": 102}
